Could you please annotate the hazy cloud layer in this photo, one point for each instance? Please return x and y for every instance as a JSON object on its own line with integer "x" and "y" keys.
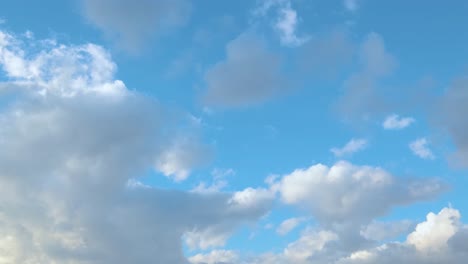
{"x": 450, "y": 118}
{"x": 362, "y": 96}
{"x": 133, "y": 22}
{"x": 250, "y": 74}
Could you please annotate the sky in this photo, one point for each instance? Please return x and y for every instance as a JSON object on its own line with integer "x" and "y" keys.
{"x": 233, "y": 132}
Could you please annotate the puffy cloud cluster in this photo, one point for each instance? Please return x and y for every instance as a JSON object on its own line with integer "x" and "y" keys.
{"x": 437, "y": 240}
{"x": 73, "y": 141}
{"x": 346, "y": 193}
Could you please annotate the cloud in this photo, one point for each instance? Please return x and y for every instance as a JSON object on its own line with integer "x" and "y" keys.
{"x": 395, "y": 122}
{"x": 420, "y": 148}
{"x": 59, "y": 70}
{"x": 362, "y": 97}
{"x": 286, "y": 25}
{"x": 353, "y": 146}
{"x": 215, "y": 257}
{"x": 380, "y": 231}
{"x": 310, "y": 243}
{"x": 353, "y": 194}
{"x": 183, "y": 155}
{"x": 288, "y": 225}
{"x": 440, "y": 239}
{"x": 326, "y": 54}
{"x": 250, "y": 74}
{"x": 73, "y": 142}
{"x": 132, "y": 23}
{"x": 285, "y": 22}
{"x": 430, "y": 242}
{"x": 434, "y": 233}
{"x": 219, "y": 181}
{"x": 449, "y": 117}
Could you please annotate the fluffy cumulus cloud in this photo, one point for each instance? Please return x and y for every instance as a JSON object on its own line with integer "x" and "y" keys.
{"x": 435, "y": 240}
{"x": 72, "y": 138}
{"x": 249, "y": 74}
{"x": 132, "y": 22}
{"x": 353, "y": 146}
{"x": 349, "y": 193}
{"x": 441, "y": 238}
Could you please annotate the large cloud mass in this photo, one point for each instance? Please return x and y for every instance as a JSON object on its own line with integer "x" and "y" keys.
{"x": 72, "y": 142}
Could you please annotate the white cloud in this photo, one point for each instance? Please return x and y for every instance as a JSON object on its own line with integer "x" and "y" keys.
{"x": 73, "y": 143}
{"x": 353, "y": 146}
{"x": 184, "y": 154}
{"x": 432, "y": 242}
{"x": 286, "y": 20}
{"x": 288, "y": 225}
{"x": 286, "y": 25}
{"x": 59, "y": 70}
{"x": 433, "y": 234}
{"x": 395, "y": 122}
{"x": 440, "y": 239}
{"x": 2, "y": 21}
{"x": 252, "y": 199}
{"x": 307, "y": 245}
{"x": 350, "y": 193}
{"x": 215, "y": 257}
{"x": 420, "y": 148}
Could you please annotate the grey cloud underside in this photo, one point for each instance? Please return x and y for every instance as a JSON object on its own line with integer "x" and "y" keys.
{"x": 325, "y": 55}
{"x": 450, "y": 116}
{"x": 134, "y": 22}
{"x": 250, "y": 74}
{"x": 73, "y": 142}
{"x": 64, "y": 167}
{"x": 363, "y": 95}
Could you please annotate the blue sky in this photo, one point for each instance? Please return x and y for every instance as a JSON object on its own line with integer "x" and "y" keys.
{"x": 266, "y": 131}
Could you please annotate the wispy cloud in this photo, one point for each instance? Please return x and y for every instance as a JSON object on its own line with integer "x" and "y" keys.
{"x": 420, "y": 148}
{"x": 288, "y": 225}
{"x": 287, "y": 27}
{"x": 351, "y": 5}
{"x": 353, "y": 146}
